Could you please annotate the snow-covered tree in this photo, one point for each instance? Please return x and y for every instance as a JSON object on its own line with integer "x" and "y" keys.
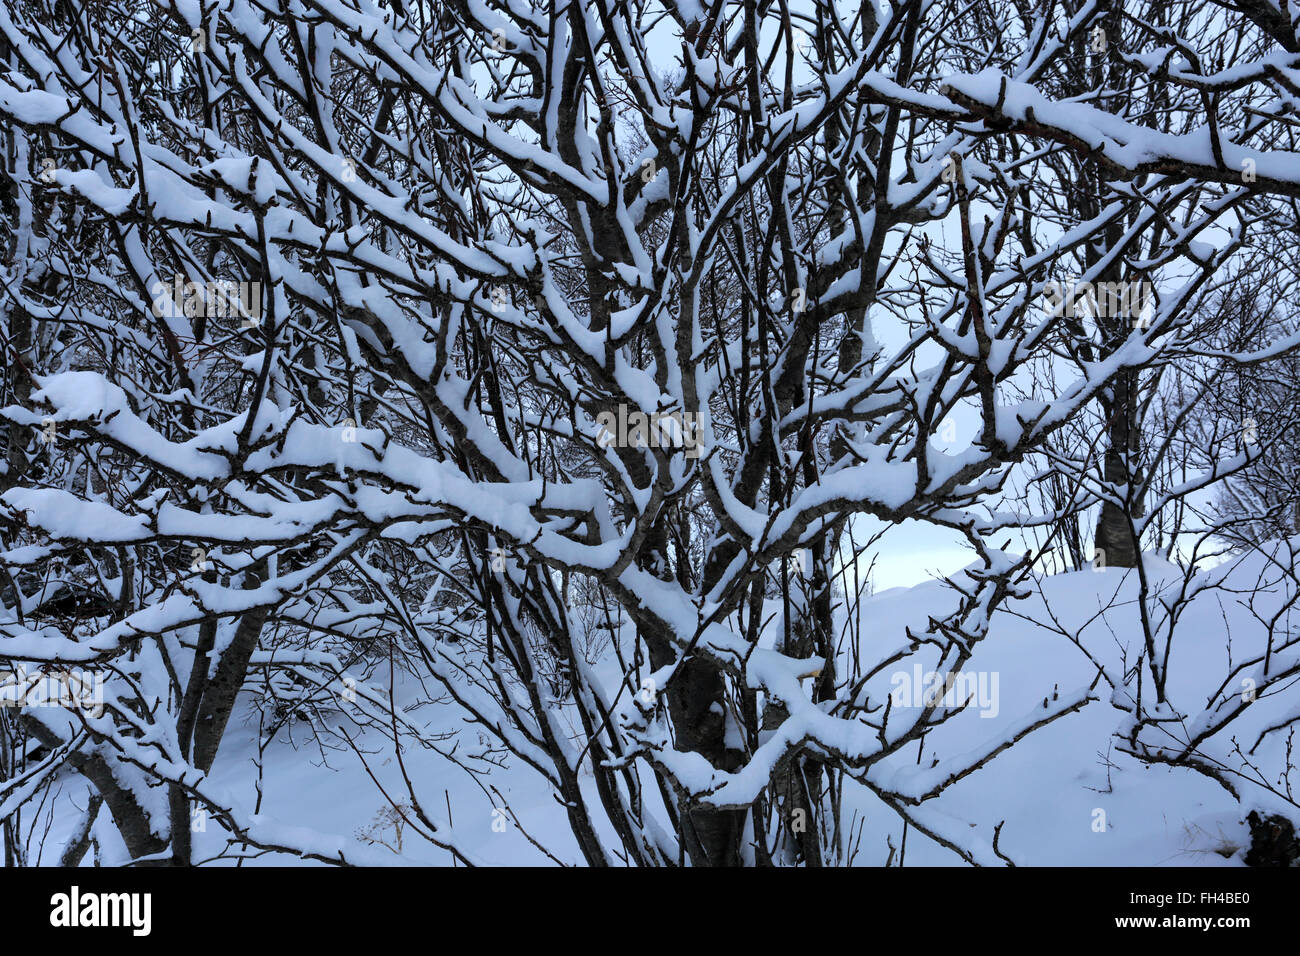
{"x": 550, "y": 352}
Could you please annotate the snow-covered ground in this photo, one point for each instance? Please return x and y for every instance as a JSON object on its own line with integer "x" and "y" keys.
{"x": 1067, "y": 793}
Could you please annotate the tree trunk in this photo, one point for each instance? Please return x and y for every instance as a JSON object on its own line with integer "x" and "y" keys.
{"x": 1116, "y": 545}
